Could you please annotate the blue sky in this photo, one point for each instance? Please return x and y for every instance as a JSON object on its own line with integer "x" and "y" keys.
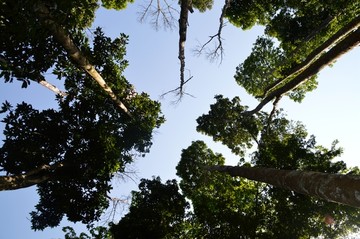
{"x": 330, "y": 112}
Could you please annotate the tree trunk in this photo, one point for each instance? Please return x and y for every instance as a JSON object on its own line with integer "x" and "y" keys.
{"x": 75, "y": 54}
{"x": 315, "y": 54}
{"x": 40, "y": 79}
{"x": 344, "y": 189}
{"x": 183, "y": 24}
{"x": 29, "y": 179}
{"x": 347, "y": 44}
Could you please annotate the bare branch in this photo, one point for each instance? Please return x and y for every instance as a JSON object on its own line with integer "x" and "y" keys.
{"x": 179, "y": 92}
{"x": 118, "y": 206}
{"x": 218, "y": 50}
{"x": 161, "y": 13}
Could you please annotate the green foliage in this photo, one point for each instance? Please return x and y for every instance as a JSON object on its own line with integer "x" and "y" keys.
{"x": 95, "y": 233}
{"x": 87, "y": 134}
{"x": 225, "y": 207}
{"x": 156, "y": 211}
{"x": 262, "y": 68}
{"x": 226, "y": 122}
{"x": 116, "y": 4}
{"x": 299, "y": 26}
{"x": 202, "y": 5}
{"x": 246, "y": 14}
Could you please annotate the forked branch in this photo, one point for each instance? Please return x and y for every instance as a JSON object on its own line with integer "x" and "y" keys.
{"x": 218, "y": 51}
{"x": 161, "y": 14}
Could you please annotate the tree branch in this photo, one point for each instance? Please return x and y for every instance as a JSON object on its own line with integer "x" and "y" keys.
{"x": 29, "y": 179}
{"x": 158, "y": 13}
{"x": 75, "y": 54}
{"x": 347, "y": 44}
{"x": 218, "y": 51}
{"x": 339, "y": 35}
{"x": 40, "y": 79}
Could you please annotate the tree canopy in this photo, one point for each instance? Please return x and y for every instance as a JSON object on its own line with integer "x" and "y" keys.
{"x": 101, "y": 124}
{"x": 74, "y": 151}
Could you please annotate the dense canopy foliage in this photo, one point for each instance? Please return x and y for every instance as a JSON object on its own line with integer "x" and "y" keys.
{"x": 101, "y": 124}
{"x": 74, "y": 151}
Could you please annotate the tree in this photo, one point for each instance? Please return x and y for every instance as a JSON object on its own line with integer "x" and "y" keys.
{"x": 223, "y": 207}
{"x": 74, "y": 151}
{"x": 331, "y": 187}
{"x": 156, "y": 211}
{"x": 95, "y": 233}
{"x": 282, "y": 149}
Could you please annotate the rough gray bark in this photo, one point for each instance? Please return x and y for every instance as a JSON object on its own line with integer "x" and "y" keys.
{"x": 74, "y": 53}
{"x": 344, "y": 189}
{"x": 347, "y": 44}
{"x": 29, "y": 179}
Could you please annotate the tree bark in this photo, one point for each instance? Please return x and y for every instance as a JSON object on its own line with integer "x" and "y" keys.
{"x": 75, "y": 54}
{"x": 29, "y": 179}
{"x": 183, "y": 24}
{"x": 40, "y": 79}
{"x": 347, "y": 44}
{"x": 315, "y": 54}
{"x": 52, "y": 88}
{"x": 344, "y": 189}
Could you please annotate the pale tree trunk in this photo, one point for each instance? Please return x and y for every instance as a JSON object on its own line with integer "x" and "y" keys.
{"x": 28, "y": 179}
{"x": 52, "y": 88}
{"x": 344, "y": 189}
{"x": 75, "y": 54}
{"x": 41, "y": 79}
{"x": 347, "y": 44}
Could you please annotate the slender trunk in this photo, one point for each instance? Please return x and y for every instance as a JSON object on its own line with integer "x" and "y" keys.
{"x": 52, "y": 88}
{"x": 75, "y": 54}
{"x": 183, "y": 24}
{"x": 344, "y": 189}
{"x": 347, "y": 44}
{"x": 29, "y": 179}
{"x": 351, "y": 26}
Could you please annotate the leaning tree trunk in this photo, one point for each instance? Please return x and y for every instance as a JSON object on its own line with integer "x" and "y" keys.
{"x": 75, "y": 54}
{"x": 28, "y": 179}
{"x": 344, "y": 189}
{"x": 315, "y": 54}
{"x": 348, "y": 43}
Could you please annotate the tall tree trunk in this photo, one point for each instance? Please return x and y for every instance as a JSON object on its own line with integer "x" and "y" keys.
{"x": 29, "y": 179}
{"x": 315, "y": 54}
{"x": 344, "y": 189}
{"x": 74, "y": 53}
{"x": 347, "y": 44}
{"x": 183, "y": 24}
